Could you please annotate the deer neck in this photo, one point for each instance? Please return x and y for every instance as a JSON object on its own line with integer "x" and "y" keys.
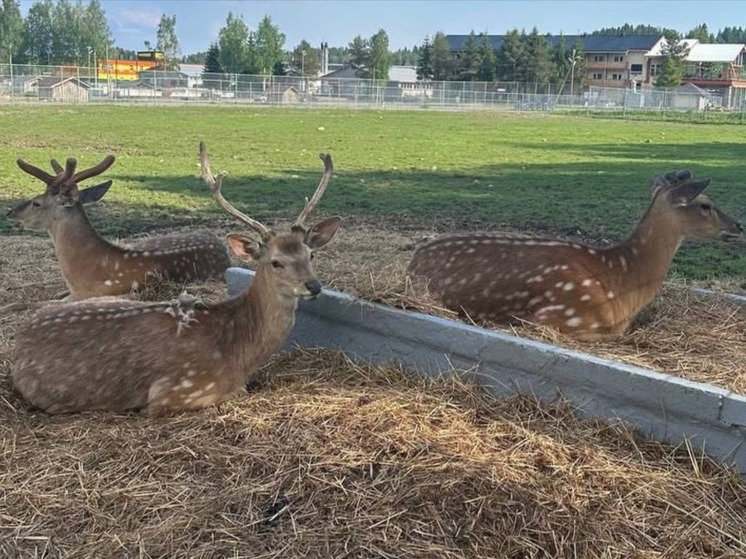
{"x": 76, "y": 242}
{"x": 261, "y": 321}
{"x": 642, "y": 262}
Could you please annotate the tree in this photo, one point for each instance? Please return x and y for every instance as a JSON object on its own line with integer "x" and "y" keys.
{"x": 487, "y": 61}
{"x": 306, "y": 59}
{"x": 212, "y": 75}
{"x": 512, "y": 57}
{"x": 425, "y": 62}
{"x": 38, "y": 40}
{"x": 441, "y": 57}
{"x": 233, "y": 41}
{"x": 168, "y": 42}
{"x": 94, "y": 30}
{"x": 11, "y": 30}
{"x": 359, "y": 52}
{"x": 673, "y": 53}
{"x": 380, "y": 57}
{"x": 701, "y": 33}
{"x": 469, "y": 61}
{"x": 269, "y": 44}
{"x": 538, "y": 63}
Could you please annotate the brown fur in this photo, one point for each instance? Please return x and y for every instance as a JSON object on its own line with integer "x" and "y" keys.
{"x": 587, "y": 292}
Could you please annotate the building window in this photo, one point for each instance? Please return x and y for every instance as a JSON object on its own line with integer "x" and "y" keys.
{"x": 617, "y": 77}
{"x": 597, "y": 76}
{"x": 599, "y": 58}
{"x": 636, "y": 68}
{"x": 619, "y": 58}
{"x": 653, "y": 69}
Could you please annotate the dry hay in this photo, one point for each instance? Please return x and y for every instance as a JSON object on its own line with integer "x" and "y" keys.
{"x": 328, "y": 458}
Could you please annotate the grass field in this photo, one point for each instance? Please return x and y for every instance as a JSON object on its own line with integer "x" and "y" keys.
{"x": 564, "y": 175}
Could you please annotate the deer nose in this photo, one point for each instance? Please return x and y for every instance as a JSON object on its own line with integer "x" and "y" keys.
{"x": 313, "y": 286}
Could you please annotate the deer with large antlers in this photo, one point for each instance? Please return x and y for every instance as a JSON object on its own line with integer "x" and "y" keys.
{"x": 586, "y": 292}
{"x": 119, "y": 355}
{"x": 94, "y": 267}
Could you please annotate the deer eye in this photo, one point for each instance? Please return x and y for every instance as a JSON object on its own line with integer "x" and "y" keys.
{"x": 35, "y": 204}
{"x": 312, "y": 255}
{"x": 706, "y": 207}
{"x": 277, "y": 264}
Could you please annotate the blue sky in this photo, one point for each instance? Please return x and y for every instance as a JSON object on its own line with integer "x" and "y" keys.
{"x": 406, "y": 21}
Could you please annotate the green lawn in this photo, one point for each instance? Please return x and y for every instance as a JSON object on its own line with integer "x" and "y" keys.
{"x": 566, "y": 175}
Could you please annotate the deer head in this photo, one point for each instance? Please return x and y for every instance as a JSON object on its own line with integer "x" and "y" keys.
{"x": 690, "y": 211}
{"x": 61, "y": 194}
{"x": 286, "y": 256}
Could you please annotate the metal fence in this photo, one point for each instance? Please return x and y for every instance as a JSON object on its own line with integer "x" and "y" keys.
{"x": 69, "y": 84}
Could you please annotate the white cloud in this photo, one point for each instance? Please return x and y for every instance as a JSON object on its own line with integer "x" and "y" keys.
{"x": 143, "y": 18}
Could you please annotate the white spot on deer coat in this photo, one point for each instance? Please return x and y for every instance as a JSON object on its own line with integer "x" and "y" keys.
{"x": 574, "y": 322}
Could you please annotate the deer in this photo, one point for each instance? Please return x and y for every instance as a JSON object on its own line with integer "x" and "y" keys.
{"x": 586, "y": 292}
{"x": 161, "y": 357}
{"x": 93, "y": 267}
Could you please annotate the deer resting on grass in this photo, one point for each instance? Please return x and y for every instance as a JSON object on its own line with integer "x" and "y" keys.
{"x": 116, "y": 354}
{"x": 586, "y": 292}
{"x": 94, "y": 267}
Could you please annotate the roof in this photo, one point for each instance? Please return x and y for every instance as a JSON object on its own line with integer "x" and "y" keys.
{"x": 346, "y": 72}
{"x": 591, "y": 43}
{"x": 691, "y": 88}
{"x": 715, "y": 53}
{"x": 54, "y": 81}
{"x": 405, "y": 74}
{"x": 192, "y": 70}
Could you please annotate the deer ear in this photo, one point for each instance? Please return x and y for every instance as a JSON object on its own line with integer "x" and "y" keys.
{"x": 93, "y": 193}
{"x": 659, "y": 183}
{"x": 244, "y": 247}
{"x": 322, "y": 232}
{"x": 686, "y": 193}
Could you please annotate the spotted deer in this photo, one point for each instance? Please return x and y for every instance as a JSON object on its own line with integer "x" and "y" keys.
{"x": 583, "y": 291}
{"x": 93, "y": 267}
{"x": 116, "y": 354}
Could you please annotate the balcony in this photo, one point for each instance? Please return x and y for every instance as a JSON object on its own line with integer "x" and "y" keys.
{"x": 712, "y": 72}
{"x": 605, "y": 65}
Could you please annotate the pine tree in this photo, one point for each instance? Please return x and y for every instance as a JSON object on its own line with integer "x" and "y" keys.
{"x": 538, "y": 61}
{"x": 672, "y": 70}
{"x": 425, "y": 62}
{"x": 701, "y": 33}
{"x": 512, "y": 57}
{"x": 469, "y": 61}
{"x": 212, "y": 75}
{"x": 487, "y": 61}
{"x": 442, "y": 61}
{"x": 359, "y": 51}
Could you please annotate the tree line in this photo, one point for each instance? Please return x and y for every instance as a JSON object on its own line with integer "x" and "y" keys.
{"x": 523, "y": 57}
{"x": 59, "y": 32}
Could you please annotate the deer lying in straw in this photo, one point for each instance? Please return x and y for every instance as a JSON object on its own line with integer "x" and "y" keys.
{"x": 93, "y": 267}
{"x": 586, "y": 292}
{"x": 115, "y": 354}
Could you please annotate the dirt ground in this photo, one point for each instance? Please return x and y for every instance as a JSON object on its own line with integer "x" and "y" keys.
{"x": 327, "y": 458}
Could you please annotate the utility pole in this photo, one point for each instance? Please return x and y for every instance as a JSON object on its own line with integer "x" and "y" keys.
{"x": 573, "y": 61}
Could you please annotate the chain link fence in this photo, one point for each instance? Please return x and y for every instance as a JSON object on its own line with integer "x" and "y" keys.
{"x": 70, "y": 84}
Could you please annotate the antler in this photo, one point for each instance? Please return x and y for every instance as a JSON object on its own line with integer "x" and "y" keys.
{"x": 36, "y": 172}
{"x": 80, "y": 176}
{"x": 56, "y": 166}
{"x": 310, "y": 205}
{"x": 216, "y": 185}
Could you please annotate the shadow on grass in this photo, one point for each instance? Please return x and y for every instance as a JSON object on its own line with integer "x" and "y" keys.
{"x": 599, "y": 203}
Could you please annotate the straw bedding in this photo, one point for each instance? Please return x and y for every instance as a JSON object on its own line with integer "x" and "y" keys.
{"x": 329, "y": 458}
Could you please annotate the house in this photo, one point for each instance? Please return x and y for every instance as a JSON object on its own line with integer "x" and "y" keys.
{"x": 349, "y": 81}
{"x": 193, "y": 72}
{"x": 138, "y": 89}
{"x": 610, "y": 60}
{"x": 718, "y": 68}
{"x": 282, "y": 93}
{"x": 164, "y": 78}
{"x": 693, "y": 98}
{"x": 65, "y": 90}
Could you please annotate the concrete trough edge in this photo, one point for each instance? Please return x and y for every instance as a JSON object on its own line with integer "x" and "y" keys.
{"x": 659, "y": 406}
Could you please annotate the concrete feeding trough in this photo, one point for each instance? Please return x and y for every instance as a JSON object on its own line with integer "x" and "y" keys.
{"x": 659, "y": 406}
